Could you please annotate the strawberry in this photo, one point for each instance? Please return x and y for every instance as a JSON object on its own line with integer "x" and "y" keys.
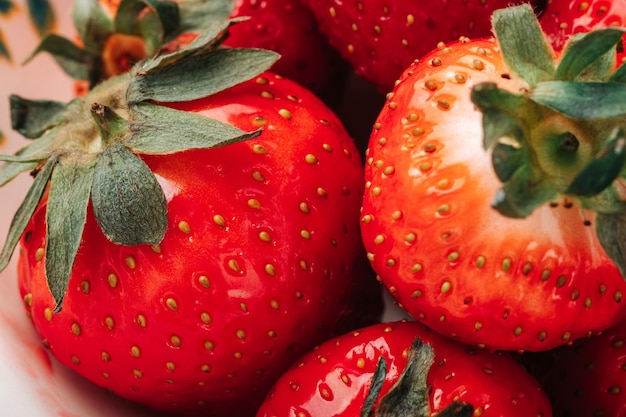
{"x": 403, "y": 369}
{"x": 191, "y": 230}
{"x": 517, "y": 247}
{"x": 381, "y": 38}
{"x": 111, "y": 44}
{"x": 563, "y": 18}
{"x": 587, "y": 379}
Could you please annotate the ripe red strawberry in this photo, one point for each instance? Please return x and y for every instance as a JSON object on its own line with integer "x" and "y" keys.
{"x": 423, "y": 371}
{"x": 588, "y": 378}
{"x": 563, "y": 18}
{"x": 519, "y": 266}
{"x": 381, "y": 38}
{"x": 176, "y": 273}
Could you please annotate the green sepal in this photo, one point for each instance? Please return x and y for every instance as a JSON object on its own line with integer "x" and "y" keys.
{"x": 75, "y": 61}
{"x": 128, "y": 201}
{"x": 154, "y": 28}
{"x": 25, "y": 211}
{"x": 210, "y": 37}
{"x": 6, "y": 6}
{"x": 4, "y": 49}
{"x": 10, "y": 170}
{"x": 582, "y": 100}
{"x": 161, "y": 130}
{"x": 595, "y": 48}
{"x": 66, "y": 214}
{"x": 194, "y": 14}
{"x": 376, "y": 384}
{"x": 611, "y": 232}
{"x": 602, "y": 170}
{"x": 33, "y": 117}
{"x": 197, "y": 76}
{"x": 35, "y": 152}
{"x": 619, "y": 76}
{"x": 41, "y": 14}
{"x": 409, "y": 395}
{"x": 92, "y": 23}
{"x": 506, "y": 160}
{"x": 500, "y": 109}
{"x": 524, "y": 48}
{"x": 522, "y": 194}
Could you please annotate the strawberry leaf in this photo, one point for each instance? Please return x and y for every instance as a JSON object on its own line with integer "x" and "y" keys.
{"x": 25, "y": 211}
{"x": 209, "y": 38}
{"x": 523, "y": 193}
{"x": 75, "y": 61}
{"x": 33, "y": 117}
{"x": 129, "y": 12}
{"x": 524, "y": 47}
{"x": 154, "y": 27}
{"x": 587, "y": 50}
{"x": 10, "y": 170}
{"x": 507, "y": 159}
{"x": 581, "y": 100}
{"x": 128, "y": 202}
{"x": 501, "y": 110}
{"x": 197, "y": 76}
{"x": 602, "y": 170}
{"x": 409, "y": 395}
{"x": 35, "y": 152}
{"x": 66, "y": 213}
{"x": 41, "y": 14}
{"x": 378, "y": 379}
{"x": 194, "y": 14}
{"x": 162, "y": 130}
{"x": 4, "y": 50}
{"x": 6, "y": 6}
{"x": 619, "y": 76}
{"x": 92, "y": 22}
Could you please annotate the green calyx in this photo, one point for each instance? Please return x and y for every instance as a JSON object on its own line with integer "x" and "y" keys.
{"x": 564, "y": 133}
{"x": 410, "y": 394}
{"x": 86, "y": 150}
{"x": 149, "y": 24}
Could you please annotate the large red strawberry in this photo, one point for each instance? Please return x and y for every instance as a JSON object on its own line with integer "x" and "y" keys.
{"x": 522, "y": 265}
{"x": 112, "y": 43}
{"x": 563, "y": 18}
{"x": 403, "y": 369}
{"x": 381, "y": 38}
{"x": 168, "y": 260}
{"x": 589, "y": 379}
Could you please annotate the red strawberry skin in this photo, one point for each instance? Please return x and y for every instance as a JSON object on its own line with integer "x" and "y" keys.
{"x": 290, "y": 28}
{"x": 257, "y": 265}
{"x": 381, "y": 38}
{"x": 334, "y": 378}
{"x": 563, "y": 18}
{"x": 451, "y": 260}
{"x": 588, "y": 379}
